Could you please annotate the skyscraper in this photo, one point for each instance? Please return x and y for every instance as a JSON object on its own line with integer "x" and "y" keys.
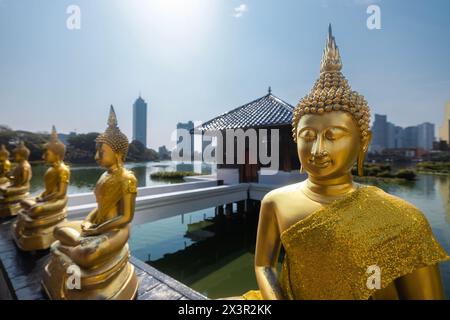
{"x": 380, "y": 133}
{"x": 140, "y": 121}
{"x": 444, "y": 130}
{"x": 425, "y": 136}
{"x": 411, "y": 137}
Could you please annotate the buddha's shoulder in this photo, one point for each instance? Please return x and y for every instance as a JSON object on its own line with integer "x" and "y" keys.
{"x": 63, "y": 169}
{"x": 398, "y": 208}
{"x": 129, "y": 181}
{"x": 26, "y": 165}
{"x": 284, "y": 192}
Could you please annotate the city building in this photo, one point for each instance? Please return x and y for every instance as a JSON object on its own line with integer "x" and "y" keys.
{"x": 140, "y": 121}
{"x": 425, "y": 136}
{"x": 379, "y": 134}
{"x": 386, "y": 135}
{"x": 444, "y": 130}
{"x": 410, "y": 137}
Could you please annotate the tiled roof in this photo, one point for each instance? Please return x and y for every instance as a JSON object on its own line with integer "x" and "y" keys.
{"x": 263, "y": 112}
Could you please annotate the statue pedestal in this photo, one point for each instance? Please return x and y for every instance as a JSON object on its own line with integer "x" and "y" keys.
{"x": 9, "y": 209}
{"x": 112, "y": 280}
{"x": 32, "y": 234}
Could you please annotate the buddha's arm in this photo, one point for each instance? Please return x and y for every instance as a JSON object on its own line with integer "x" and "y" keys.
{"x": 58, "y": 194}
{"x": 42, "y": 196}
{"x": 267, "y": 251}
{"x": 422, "y": 284}
{"x": 89, "y": 218}
{"x": 25, "y": 177}
{"x": 121, "y": 220}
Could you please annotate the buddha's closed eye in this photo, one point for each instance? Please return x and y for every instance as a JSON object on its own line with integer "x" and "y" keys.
{"x": 335, "y": 133}
{"x": 308, "y": 134}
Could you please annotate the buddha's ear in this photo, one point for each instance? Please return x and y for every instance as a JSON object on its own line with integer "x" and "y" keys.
{"x": 366, "y": 141}
{"x": 120, "y": 157}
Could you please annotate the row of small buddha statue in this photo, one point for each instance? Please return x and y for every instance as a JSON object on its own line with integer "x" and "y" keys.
{"x": 332, "y": 229}
{"x": 94, "y": 250}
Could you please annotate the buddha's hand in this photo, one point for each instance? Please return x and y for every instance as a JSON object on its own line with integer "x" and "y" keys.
{"x": 89, "y": 231}
{"x": 27, "y": 203}
{"x": 85, "y": 225}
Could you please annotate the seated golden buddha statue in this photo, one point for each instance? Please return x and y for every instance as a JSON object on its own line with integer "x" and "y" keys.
{"x": 342, "y": 240}
{"x": 5, "y": 165}
{"x": 18, "y": 186}
{"x": 33, "y": 229}
{"x": 89, "y": 260}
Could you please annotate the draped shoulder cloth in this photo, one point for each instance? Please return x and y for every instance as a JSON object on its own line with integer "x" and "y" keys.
{"x": 332, "y": 253}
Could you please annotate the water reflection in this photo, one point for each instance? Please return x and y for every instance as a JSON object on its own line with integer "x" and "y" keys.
{"x": 443, "y": 188}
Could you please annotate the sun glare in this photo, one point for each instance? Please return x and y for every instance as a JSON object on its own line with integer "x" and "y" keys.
{"x": 170, "y": 17}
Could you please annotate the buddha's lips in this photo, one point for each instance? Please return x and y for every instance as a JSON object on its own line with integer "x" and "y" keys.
{"x": 320, "y": 163}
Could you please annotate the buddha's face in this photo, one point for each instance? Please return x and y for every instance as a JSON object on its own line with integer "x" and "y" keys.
{"x": 19, "y": 157}
{"x": 105, "y": 156}
{"x": 328, "y": 144}
{"x": 50, "y": 157}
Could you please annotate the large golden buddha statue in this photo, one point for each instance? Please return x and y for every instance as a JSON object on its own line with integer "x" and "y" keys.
{"x": 342, "y": 240}
{"x": 33, "y": 229}
{"x": 89, "y": 260}
{"x": 5, "y": 165}
{"x": 18, "y": 184}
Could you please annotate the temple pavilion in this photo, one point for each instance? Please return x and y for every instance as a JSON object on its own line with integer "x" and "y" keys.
{"x": 268, "y": 112}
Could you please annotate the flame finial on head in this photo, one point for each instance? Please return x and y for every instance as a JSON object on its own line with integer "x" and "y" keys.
{"x": 112, "y": 119}
{"x": 54, "y": 134}
{"x": 331, "y": 58}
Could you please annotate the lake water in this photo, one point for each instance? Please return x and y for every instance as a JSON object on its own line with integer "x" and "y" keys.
{"x": 214, "y": 254}
{"x": 84, "y": 177}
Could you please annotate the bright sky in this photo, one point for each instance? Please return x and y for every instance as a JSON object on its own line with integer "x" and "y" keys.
{"x": 195, "y": 59}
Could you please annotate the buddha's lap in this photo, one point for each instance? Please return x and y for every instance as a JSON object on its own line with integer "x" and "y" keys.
{"x": 50, "y": 206}
{"x": 93, "y": 250}
{"x": 14, "y": 191}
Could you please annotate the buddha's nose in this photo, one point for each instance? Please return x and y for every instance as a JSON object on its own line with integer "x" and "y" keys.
{"x": 318, "y": 149}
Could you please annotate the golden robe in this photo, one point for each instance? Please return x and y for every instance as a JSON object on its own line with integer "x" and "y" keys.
{"x": 329, "y": 253}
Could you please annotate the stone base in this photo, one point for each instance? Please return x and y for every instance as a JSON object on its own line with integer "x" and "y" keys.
{"x": 9, "y": 209}
{"x": 115, "y": 280}
{"x": 36, "y": 234}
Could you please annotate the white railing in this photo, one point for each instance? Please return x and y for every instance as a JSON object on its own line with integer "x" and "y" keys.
{"x": 88, "y": 198}
{"x": 160, "y": 202}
